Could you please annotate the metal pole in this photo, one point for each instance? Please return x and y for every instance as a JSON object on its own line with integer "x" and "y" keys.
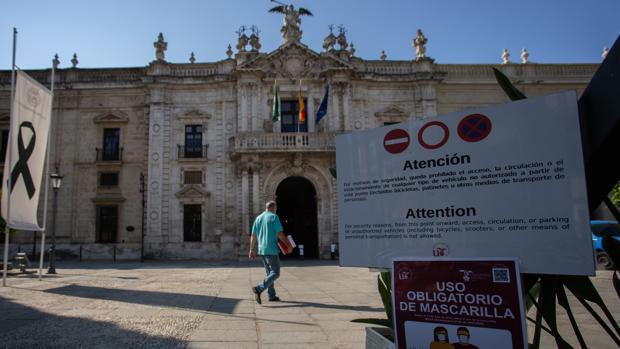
{"x": 34, "y": 245}
{"x": 41, "y": 258}
{"x": 10, "y": 158}
{"x": 143, "y": 190}
{"x": 52, "y": 268}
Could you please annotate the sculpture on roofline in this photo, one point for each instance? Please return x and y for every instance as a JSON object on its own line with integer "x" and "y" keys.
{"x": 525, "y": 56}
{"x": 419, "y": 43}
{"x": 160, "y": 48}
{"x": 292, "y": 22}
{"x": 505, "y": 56}
{"x": 330, "y": 40}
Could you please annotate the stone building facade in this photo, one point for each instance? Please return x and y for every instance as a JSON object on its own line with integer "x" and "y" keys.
{"x": 180, "y": 157}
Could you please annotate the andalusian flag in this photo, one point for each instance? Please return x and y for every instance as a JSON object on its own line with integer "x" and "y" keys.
{"x": 302, "y": 107}
{"x": 275, "y": 110}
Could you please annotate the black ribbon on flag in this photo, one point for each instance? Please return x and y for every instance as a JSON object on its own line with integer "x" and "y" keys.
{"x": 24, "y": 153}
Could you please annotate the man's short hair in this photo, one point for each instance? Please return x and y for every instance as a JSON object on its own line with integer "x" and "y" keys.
{"x": 270, "y": 204}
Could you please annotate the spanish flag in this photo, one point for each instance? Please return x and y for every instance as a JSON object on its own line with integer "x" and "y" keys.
{"x": 302, "y": 107}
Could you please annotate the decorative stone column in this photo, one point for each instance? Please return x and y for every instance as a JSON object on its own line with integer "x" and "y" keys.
{"x": 255, "y": 190}
{"x": 245, "y": 212}
{"x": 153, "y": 235}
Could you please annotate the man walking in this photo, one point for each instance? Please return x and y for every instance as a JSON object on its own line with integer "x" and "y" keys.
{"x": 266, "y": 230}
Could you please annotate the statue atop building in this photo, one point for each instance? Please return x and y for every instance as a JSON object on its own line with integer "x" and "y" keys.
{"x": 255, "y": 39}
{"x": 242, "y": 41}
{"x": 330, "y": 40}
{"x": 342, "y": 38}
{"x": 419, "y": 43}
{"x": 160, "y": 48}
{"x": 525, "y": 56}
{"x": 505, "y": 56}
{"x": 291, "y": 26}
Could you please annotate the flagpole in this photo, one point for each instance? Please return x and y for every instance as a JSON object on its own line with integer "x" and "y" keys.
{"x": 46, "y": 173}
{"x": 10, "y": 150}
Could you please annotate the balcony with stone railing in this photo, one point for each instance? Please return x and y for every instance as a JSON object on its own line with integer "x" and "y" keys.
{"x": 260, "y": 142}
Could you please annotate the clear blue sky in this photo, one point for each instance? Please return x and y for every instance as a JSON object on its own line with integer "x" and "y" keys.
{"x": 115, "y": 33}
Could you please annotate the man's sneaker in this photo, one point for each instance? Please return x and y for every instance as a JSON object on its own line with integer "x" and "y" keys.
{"x": 256, "y": 295}
{"x": 274, "y": 299}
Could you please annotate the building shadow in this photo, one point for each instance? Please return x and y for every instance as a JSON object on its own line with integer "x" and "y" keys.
{"x": 294, "y": 304}
{"x": 153, "y": 298}
{"x": 25, "y": 327}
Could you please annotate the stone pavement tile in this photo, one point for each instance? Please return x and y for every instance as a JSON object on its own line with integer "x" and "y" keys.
{"x": 323, "y": 345}
{"x": 333, "y": 325}
{"x": 269, "y": 326}
{"x": 222, "y": 345}
{"x": 347, "y": 336}
{"x": 301, "y": 318}
{"x": 335, "y": 316}
{"x": 293, "y": 337}
{"x": 227, "y": 335}
{"x": 227, "y": 325}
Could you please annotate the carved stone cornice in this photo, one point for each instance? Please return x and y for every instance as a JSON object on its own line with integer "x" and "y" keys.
{"x": 111, "y": 117}
{"x": 193, "y": 114}
{"x": 392, "y": 112}
{"x": 192, "y": 191}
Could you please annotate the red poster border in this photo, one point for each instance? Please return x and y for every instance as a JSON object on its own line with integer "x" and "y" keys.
{"x": 514, "y": 260}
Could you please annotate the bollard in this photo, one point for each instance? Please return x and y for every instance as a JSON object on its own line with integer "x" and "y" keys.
{"x": 333, "y": 251}
{"x": 301, "y": 252}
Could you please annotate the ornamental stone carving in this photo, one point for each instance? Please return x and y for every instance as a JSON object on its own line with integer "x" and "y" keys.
{"x": 419, "y": 43}
{"x": 291, "y": 25}
{"x": 342, "y": 38}
{"x": 160, "y": 48}
{"x": 243, "y": 39}
{"x": 505, "y": 56}
{"x": 605, "y": 52}
{"x": 524, "y": 56}
{"x": 74, "y": 61}
{"x": 330, "y": 40}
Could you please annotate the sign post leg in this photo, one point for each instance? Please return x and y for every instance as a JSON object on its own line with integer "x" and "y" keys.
{"x": 6, "y": 255}
{"x": 42, "y": 253}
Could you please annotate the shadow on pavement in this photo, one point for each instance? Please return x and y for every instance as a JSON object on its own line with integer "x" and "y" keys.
{"x": 163, "y": 299}
{"x": 25, "y": 327}
{"x": 292, "y": 304}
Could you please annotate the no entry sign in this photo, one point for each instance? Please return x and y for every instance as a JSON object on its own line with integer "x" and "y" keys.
{"x": 474, "y": 128}
{"x": 396, "y": 141}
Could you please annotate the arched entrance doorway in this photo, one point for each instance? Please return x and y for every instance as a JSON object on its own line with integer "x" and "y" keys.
{"x": 296, "y": 198}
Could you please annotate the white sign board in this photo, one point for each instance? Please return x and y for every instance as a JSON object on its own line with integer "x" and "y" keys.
{"x": 499, "y": 181}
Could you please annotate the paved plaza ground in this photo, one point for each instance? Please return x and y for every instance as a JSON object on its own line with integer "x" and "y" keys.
{"x": 206, "y": 305}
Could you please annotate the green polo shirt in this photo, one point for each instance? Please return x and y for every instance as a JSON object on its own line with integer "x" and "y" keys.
{"x": 266, "y": 228}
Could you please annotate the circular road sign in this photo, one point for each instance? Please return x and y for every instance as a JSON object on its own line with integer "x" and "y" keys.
{"x": 396, "y": 141}
{"x": 474, "y": 128}
{"x": 444, "y": 139}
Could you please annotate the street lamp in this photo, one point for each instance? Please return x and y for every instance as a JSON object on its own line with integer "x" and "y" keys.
{"x": 56, "y": 182}
{"x": 142, "y": 191}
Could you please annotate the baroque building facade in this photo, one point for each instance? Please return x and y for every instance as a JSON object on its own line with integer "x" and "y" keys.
{"x": 176, "y": 159}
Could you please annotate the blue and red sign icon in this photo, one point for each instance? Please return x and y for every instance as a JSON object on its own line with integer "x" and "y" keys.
{"x": 474, "y": 128}
{"x": 396, "y": 141}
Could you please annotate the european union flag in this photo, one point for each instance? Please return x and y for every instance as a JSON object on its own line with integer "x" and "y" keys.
{"x": 323, "y": 107}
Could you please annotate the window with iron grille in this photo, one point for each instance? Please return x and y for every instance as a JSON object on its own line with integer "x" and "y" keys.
{"x": 193, "y": 141}
{"x": 290, "y": 117}
{"x": 192, "y": 222}
{"x": 111, "y": 144}
{"x": 108, "y": 179}
{"x": 192, "y": 177}
{"x": 107, "y": 223}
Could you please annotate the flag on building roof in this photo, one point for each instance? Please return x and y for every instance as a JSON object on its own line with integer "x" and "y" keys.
{"x": 323, "y": 107}
{"x": 302, "y": 107}
{"x": 275, "y": 109}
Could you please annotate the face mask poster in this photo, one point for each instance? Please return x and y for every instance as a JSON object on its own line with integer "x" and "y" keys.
{"x": 458, "y": 304}
{"x": 501, "y": 181}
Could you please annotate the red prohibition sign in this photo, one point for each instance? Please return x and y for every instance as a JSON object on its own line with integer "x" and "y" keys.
{"x": 474, "y": 128}
{"x": 446, "y": 135}
{"x": 396, "y": 141}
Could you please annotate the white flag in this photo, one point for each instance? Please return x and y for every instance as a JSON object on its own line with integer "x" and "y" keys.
{"x": 30, "y": 122}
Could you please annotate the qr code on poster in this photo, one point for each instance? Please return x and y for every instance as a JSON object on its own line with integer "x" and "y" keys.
{"x": 501, "y": 275}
